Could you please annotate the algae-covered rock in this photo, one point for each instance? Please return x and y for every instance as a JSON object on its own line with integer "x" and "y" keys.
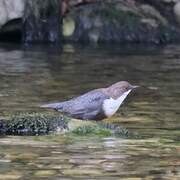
{"x": 42, "y": 124}
{"x": 103, "y": 129}
{"x": 33, "y": 124}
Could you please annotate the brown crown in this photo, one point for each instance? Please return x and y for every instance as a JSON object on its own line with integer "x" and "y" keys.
{"x": 117, "y": 89}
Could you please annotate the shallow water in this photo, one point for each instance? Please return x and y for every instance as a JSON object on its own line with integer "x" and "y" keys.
{"x": 33, "y": 76}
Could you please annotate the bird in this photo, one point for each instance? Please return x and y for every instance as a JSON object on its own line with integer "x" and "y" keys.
{"x": 96, "y": 104}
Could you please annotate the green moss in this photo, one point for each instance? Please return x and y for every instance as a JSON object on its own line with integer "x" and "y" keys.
{"x": 119, "y": 131}
{"x": 92, "y": 130}
{"x": 104, "y": 132}
{"x": 103, "y": 129}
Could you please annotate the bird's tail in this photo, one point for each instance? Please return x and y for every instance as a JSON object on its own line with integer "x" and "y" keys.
{"x": 56, "y": 106}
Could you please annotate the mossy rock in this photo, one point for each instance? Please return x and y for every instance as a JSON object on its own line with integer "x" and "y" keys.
{"x": 104, "y": 130}
{"x": 33, "y": 124}
{"x": 42, "y": 124}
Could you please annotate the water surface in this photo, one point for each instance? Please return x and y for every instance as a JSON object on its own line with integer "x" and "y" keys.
{"x": 33, "y": 76}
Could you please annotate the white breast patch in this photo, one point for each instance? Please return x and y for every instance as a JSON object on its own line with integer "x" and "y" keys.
{"x": 110, "y": 106}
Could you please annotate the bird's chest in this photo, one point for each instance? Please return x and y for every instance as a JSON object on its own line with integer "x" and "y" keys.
{"x": 110, "y": 106}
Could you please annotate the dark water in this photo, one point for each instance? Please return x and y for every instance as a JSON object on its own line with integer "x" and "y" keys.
{"x": 33, "y": 76}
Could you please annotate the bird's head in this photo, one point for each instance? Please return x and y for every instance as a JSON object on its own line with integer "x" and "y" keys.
{"x": 118, "y": 89}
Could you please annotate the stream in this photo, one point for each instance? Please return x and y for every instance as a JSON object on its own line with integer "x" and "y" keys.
{"x": 31, "y": 76}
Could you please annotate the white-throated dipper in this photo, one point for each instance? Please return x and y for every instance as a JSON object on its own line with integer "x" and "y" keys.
{"x": 95, "y": 105}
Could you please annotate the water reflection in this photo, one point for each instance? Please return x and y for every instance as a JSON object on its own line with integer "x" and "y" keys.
{"x": 150, "y": 158}
{"x": 33, "y": 76}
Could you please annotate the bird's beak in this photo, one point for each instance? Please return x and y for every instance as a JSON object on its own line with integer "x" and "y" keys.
{"x": 134, "y": 87}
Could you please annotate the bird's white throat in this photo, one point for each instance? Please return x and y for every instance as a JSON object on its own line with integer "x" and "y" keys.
{"x": 110, "y": 106}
